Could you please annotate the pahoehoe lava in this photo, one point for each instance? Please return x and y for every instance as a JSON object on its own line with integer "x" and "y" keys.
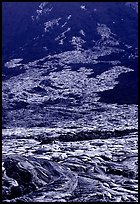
{"x": 70, "y": 102}
{"x": 85, "y": 171}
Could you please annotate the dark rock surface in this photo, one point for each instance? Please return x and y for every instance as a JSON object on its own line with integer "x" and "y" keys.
{"x": 96, "y": 170}
{"x": 70, "y": 102}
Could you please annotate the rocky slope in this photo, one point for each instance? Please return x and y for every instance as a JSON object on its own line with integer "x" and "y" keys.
{"x": 70, "y": 102}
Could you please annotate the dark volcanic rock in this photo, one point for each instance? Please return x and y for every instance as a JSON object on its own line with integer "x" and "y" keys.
{"x": 85, "y": 171}
{"x": 70, "y": 101}
{"x": 35, "y": 175}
